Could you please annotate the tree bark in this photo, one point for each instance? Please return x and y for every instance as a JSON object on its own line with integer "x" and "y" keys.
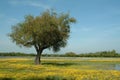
{"x": 38, "y": 59}
{"x": 38, "y": 56}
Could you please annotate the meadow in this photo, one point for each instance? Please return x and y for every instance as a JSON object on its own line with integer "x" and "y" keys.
{"x": 59, "y": 68}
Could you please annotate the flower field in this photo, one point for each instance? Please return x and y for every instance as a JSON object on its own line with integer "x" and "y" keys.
{"x": 59, "y": 69}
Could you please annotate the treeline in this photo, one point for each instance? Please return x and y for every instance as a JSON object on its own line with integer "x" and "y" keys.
{"x": 68, "y": 54}
{"x": 15, "y": 54}
{"x": 101, "y": 54}
{"x": 96, "y": 54}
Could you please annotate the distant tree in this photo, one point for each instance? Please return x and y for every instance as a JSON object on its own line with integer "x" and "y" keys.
{"x": 49, "y": 30}
{"x": 113, "y": 51}
{"x": 70, "y": 54}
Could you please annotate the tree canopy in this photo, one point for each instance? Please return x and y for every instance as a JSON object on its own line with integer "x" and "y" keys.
{"x": 48, "y": 30}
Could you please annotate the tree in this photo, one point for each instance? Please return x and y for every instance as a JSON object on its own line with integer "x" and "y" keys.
{"x": 70, "y": 54}
{"x": 49, "y": 30}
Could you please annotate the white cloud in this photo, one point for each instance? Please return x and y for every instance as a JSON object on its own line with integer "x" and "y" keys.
{"x": 12, "y": 20}
{"x": 39, "y": 5}
{"x": 82, "y": 29}
{"x": 30, "y": 3}
{"x": 8, "y": 20}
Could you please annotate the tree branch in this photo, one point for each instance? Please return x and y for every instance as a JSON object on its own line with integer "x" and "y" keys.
{"x": 36, "y": 47}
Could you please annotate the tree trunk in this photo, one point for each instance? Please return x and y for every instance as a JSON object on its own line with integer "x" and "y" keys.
{"x": 38, "y": 57}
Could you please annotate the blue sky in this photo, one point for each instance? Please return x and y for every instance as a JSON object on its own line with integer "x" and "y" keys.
{"x": 97, "y": 27}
